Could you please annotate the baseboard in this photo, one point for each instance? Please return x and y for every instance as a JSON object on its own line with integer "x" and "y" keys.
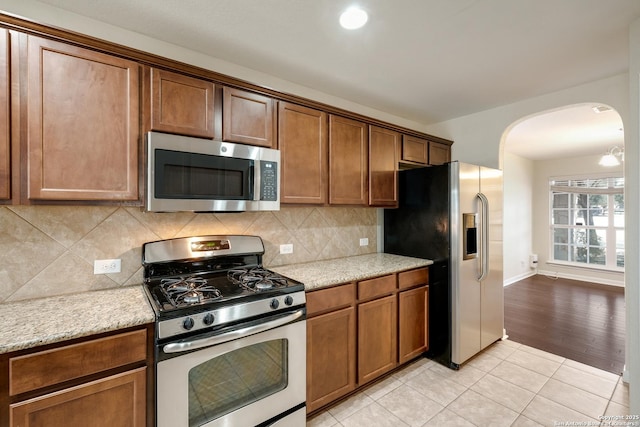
{"x": 591, "y": 279}
{"x": 517, "y": 278}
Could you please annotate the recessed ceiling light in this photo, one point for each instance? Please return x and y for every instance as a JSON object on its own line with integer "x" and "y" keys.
{"x": 353, "y": 18}
{"x": 601, "y": 109}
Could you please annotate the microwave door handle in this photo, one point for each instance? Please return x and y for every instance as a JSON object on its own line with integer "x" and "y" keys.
{"x": 230, "y": 336}
{"x": 484, "y": 237}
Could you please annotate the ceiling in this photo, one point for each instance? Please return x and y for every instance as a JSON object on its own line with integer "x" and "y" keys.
{"x": 424, "y": 60}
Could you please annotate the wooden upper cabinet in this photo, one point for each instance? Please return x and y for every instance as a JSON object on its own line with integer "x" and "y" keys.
{"x": 384, "y": 146}
{"x": 5, "y": 134}
{"x": 348, "y": 158}
{"x": 302, "y": 140}
{"x": 83, "y": 123}
{"x": 248, "y": 118}
{"x": 439, "y": 153}
{"x": 181, "y": 104}
{"x": 415, "y": 149}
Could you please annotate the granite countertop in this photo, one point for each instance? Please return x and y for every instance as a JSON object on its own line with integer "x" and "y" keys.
{"x": 31, "y": 323}
{"x": 319, "y": 274}
{"x": 28, "y": 324}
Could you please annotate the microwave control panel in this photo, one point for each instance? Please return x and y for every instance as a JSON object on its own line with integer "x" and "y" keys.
{"x": 268, "y": 180}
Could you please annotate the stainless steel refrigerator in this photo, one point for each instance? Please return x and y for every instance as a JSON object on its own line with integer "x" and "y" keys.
{"x": 452, "y": 214}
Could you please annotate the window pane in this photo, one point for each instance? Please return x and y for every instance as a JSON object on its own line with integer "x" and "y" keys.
{"x": 561, "y": 252}
{"x": 597, "y": 238}
{"x": 561, "y": 235}
{"x": 579, "y": 236}
{"x": 597, "y": 256}
{"x": 579, "y": 254}
{"x": 618, "y": 219}
{"x": 561, "y": 217}
{"x": 560, "y": 200}
{"x": 620, "y": 257}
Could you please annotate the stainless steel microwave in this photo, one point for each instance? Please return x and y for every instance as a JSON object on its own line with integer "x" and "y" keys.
{"x": 201, "y": 175}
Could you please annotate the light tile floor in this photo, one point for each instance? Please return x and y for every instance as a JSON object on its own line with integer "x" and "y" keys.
{"x": 508, "y": 384}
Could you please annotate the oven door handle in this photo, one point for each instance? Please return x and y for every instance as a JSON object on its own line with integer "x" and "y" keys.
{"x": 180, "y": 347}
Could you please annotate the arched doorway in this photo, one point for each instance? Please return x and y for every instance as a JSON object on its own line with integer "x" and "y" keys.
{"x": 564, "y": 144}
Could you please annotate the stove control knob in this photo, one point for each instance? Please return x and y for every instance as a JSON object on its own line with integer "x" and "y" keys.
{"x": 288, "y": 300}
{"x": 208, "y": 319}
{"x": 274, "y": 303}
{"x": 188, "y": 323}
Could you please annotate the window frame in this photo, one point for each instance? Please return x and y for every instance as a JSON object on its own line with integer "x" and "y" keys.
{"x": 611, "y": 244}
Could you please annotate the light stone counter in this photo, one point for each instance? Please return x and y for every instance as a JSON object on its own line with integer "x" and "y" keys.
{"x": 319, "y": 274}
{"x": 28, "y": 324}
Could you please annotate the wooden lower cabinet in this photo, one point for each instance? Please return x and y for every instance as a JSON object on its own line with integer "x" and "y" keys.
{"x": 331, "y": 357}
{"x": 377, "y": 338}
{"x": 115, "y": 401}
{"x": 358, "y": 331}
{"x": 102, "y": 381}
{"x": 413, "y": 337}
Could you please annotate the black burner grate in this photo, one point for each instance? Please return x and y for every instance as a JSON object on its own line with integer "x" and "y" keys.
{"x": 187, "y": 291}
{"x": 256, "y": 279}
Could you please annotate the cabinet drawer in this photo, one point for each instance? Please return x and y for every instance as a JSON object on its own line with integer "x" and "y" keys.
{"x": 49, "y": 367}
{"x": 409, "y": 279}
{"x": 376, "y": 287}
{"x": 330, "y": 298}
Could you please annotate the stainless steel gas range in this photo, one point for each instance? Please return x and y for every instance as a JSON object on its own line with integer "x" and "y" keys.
{"x": 230, "y": 336}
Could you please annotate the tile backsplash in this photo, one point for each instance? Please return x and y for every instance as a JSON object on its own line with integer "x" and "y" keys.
{"x": 50, "y": 250}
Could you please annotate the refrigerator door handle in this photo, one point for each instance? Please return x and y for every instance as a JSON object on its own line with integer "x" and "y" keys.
{"x": 484, "y": 236}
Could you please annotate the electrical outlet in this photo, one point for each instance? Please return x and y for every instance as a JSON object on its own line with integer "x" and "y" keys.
{"x": 105, "y": 266}
{"x": 364, "y": 241}
{"x": 286, "y": 249}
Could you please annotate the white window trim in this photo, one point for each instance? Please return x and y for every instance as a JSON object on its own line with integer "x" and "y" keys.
{"x": 610, "y": 229}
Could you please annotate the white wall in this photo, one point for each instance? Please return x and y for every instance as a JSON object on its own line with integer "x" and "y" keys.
{"x": 478, "y": 137}
{"x": 48, "y": 15}
{"x": 543, "y": 170}
{"x": 632, "y": 230}
{"x": 517, "y": 217}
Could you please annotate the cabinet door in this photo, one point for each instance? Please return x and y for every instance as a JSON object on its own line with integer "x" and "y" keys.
{"x": 5, "y": 152}
{"x": 83, "y": 123}
{"x": 181, "y": 104}
{"x": 331, "y": 357}
{"x": 348, "y": 158}
{"x": 116, "y": 401}
{"x": 383, "y": 167}
{"x": 377, "y": 338}
{"x": 412, "y": 313}
{"x": 439, "y": 153}
{"x": 248, "y": 118}
{"x": 302, "y": 139}
{"x": 414, "y": 149}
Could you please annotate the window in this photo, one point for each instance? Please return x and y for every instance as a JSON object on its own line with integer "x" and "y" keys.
{"x": 587, "y": 221}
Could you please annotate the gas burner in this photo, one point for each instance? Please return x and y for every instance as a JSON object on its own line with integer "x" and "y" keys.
{"x": 186, "y": 291}
{"x": 256, "y": 279}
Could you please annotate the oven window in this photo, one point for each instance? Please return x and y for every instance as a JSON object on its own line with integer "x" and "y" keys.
{"x": 180, "y": 175}
{"x": 236, "y": 379}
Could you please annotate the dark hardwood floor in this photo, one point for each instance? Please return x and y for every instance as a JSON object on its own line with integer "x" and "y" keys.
{"x": 581, "y": 321}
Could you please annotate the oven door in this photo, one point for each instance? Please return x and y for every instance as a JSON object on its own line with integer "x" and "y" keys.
{"x": 258, "y": 379}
